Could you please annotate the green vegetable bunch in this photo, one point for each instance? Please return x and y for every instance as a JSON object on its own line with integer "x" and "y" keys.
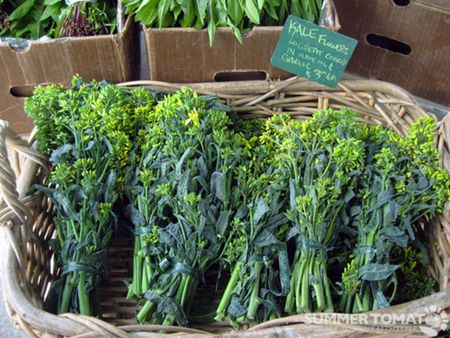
{"x": 180, "y": 192}
{"x": 402, "y": 186}
{"x": 256, "y": 250}
{"x": 88, "y": 134}
{"x": 413, "y": 279}
{"x": 32, "y": 19}
{"x": 86, "y": 19}
{"x": 321, "y": 160}
{"x": 239, "y": 15}
{"x": 29, "y": 19}
{"x": 258, "y": 206}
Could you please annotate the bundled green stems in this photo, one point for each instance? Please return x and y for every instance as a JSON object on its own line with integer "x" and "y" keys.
{"x": 255, "y": 252}
{"x": 87, "y": 130}
{"x": 256, "y": 206}
{"x": 180, "y": 195}
{"x": 403, "y": 185}
{"x": 321, "y": 159}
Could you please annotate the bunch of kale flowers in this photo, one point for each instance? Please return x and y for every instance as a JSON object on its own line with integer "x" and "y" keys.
{"x": 88, "y": 134}
{"x": 255, "y": 251}
{"x": 322, "y": 159}
{"x": 258, "y": 205}
{"x": 402, "y": 186}
{"x": 181, "y": 206}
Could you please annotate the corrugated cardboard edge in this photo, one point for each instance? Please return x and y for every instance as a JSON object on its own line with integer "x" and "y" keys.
{"x": 425, "y": 70}
{"x": 443, "y": 5}
{"x": 203, "y": 62}
{"x": 56, "y": 61}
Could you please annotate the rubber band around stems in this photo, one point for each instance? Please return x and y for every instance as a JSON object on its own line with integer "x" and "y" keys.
{"x": 144, "y": 230}
{"x": 365, "y": 249}
{"x": 90, "y": 269}
{"x": 167, "y": 266}
{"x": 305, "y": 243}
{"x": 99, "y": 267}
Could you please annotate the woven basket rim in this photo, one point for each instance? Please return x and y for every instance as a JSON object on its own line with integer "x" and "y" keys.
{"x": 36, "y": 318}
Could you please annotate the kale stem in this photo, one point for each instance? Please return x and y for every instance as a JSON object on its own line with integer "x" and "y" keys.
{"x": 358, "y": 304}
{"x": 289, "y": 306}
{"x": 75, "y": 232}
{"x": 83, "y": 296}
{"x": 254, "y": 301}
{"x": 190, "y": 294}
{"x": 298, "y": 282}
{"x": 252, "y": 226}
{"x": 144, "y": 312}
{"x": 375, "y": 306}
{"x": 329, "y": 300}
{"x": 180, "y": 298}
{"x": 343, "y": 302}
{"x": 132, "y": 291}
{"x": 303, "y": 304}
{"x": 149, "y": 271}
{"x": 317, "y": 285}
{"x": 138, "y": 277}
{"x": 366, "y": 299}
{"x": 331, "y": 228}
{"x": 241, "y": 319}
{"x": 67, "y": 294}
{"x": 105, "y": 169}
{"x": 348, "y": 305}
{"x": 225, "y": 300}
{"x": 186, "y": 291}
{"x": 145, "y": 278}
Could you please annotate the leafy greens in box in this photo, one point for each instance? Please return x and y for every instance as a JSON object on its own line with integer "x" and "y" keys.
{"x": 239, "y": 15}
{"x": 32, "y": 19}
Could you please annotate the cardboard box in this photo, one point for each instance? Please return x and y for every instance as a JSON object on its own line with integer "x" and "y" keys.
{"x": 184, "y": 55}
{"x": 109, "y": 57}
{"x": 406, "y": 42}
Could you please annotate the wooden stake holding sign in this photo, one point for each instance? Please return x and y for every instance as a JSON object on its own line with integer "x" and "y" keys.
{"x": 313, "y": 52}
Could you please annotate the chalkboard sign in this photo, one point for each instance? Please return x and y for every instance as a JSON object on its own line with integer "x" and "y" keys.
{"x": 313, "y": 52}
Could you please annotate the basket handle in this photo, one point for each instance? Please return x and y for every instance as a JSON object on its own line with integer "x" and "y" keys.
{"x": 441, "y": 253}
{"x": 444, "y": 141}
{"x": 16, "y": 176}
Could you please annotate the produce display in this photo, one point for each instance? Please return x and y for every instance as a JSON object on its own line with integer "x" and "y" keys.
{"x": 249, "y": 187}
{"x": 239, "y": 15}
{"x": 278, "y": 216}
{"x": 30, "y": 19}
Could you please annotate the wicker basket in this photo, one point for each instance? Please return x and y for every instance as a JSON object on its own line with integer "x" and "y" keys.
{"x": 25, "y": 225}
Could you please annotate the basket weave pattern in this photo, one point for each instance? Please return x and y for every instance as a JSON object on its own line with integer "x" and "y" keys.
{"x": 28, "y": 265}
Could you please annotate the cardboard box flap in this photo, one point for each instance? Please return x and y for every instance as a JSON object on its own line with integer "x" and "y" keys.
{"x": 105, "y": 57}
{"x": 407, "y": 45}
{"x": 169, "y": 60}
